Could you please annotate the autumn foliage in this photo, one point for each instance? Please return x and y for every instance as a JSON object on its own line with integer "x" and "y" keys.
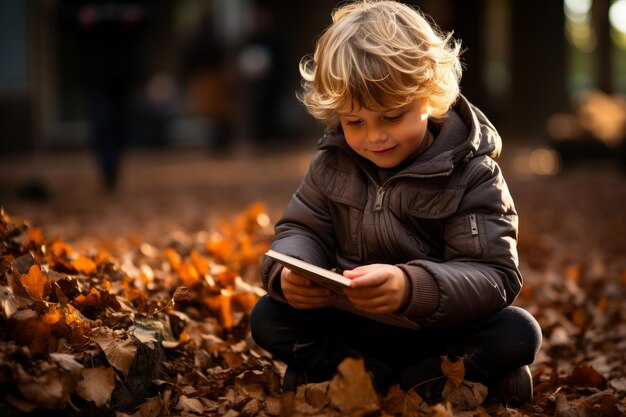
{"x": 164, "y": 331}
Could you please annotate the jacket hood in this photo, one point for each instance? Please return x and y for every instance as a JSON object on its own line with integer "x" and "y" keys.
{"x": 465, "y": 133}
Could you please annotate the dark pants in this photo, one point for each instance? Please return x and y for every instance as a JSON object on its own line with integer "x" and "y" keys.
{"x": 315, "y": 341}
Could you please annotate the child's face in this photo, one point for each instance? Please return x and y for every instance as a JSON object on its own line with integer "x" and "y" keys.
{"x": 386, "y": 137}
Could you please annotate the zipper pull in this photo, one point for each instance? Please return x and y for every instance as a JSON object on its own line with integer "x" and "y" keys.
{"x": 380, "y": 194}
{"x": 473, "y": 224}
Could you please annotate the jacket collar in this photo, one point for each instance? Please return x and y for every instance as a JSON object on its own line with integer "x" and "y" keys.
{"x": 464, "y": 134}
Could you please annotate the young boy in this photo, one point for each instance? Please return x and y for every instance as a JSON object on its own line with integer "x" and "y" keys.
{"x": 405, "y": 199}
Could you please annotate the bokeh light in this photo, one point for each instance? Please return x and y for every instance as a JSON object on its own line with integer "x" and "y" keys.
{"x": 530, "y": 162}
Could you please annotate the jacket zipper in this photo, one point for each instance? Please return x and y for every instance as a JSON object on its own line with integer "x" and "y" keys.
{"x": 473, "y": 224}
{"x": 378, "y": 204}
{"x": 380, "y": 195}
{"x": 473, "y": 221}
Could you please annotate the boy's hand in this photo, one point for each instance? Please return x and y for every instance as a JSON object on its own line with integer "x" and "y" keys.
{"x": 301, "y": 293}
{"x": 377, "y": 288}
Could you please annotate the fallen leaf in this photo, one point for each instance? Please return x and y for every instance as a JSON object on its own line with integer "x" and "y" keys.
{"x": 453, "y": 371}
{"x": 7, "y": 302}
{"x": 565, "y": 409}
{"x": 466, "y": 396}
{"x": 192, "y": 405}
{"x": 440, "y": 410}
{"x": 173, "y": 257}
{"x": 181, "y": 293}
{"x": 618, "y": 384}
{"x": 397, "y": 402}
{"x": 351, "y": 390}
{"x": 36, "y": 283}
{"x": 151, "y": 408}
{"x": 315, "y": 394}
{"x": 46, "y": 390}
{"x": 585, "y": 375}
{"x": 84, "y": 265}
{"x": 119, "y": 353}
{"x": 96, "y": 384}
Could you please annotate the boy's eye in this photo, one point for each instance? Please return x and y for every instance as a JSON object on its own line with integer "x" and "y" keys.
{"x": 354, "y": 122}
{"x": 393, "y": 118}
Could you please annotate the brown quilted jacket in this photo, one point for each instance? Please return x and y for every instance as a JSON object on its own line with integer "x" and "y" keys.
{"x": 446, "y": 219}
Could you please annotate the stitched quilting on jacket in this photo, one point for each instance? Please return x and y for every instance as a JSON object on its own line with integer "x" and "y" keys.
{"x": 446, "y": 219}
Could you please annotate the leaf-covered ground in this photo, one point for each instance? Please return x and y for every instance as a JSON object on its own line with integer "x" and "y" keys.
{"x": 137, "y": 304}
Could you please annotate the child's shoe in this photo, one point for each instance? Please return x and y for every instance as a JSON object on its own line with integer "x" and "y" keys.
{"x": 514, "y": 388}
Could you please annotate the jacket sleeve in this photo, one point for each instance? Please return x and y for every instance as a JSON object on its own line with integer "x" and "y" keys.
{"x": 480, "y": 272}
{"x": 304, "y": 231}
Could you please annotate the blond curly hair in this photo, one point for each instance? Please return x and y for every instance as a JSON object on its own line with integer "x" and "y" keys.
{"x": 380, "y": 54}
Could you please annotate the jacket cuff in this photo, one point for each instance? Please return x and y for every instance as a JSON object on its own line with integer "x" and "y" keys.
{"x": 273, "y": 284}
{"x": 424, "y": 292}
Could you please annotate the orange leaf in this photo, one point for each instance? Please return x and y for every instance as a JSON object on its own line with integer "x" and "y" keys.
{"x": 35, "y": 237}
{"x": 60, "y": 248}
{"x": 220, "y": 304}
{"x": 173, "y": 258}
{"x": 35, "y": 283}
{"x": 453, "y": 371}
{"x": 221, "y": 248}
{"x": 91, "y": 299}
{"x": 227, "y": 315}
{"x": 572, "y": 273}
{"x": 246, "y": 300}
{"x": 226, "y": 278}
{"x": 201, "y": 264}
{"x": 189, "y": 274}
{"x": 84, "y": 265}
{"x": 52, "y": 317}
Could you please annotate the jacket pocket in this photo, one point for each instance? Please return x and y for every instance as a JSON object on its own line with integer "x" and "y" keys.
{"x": 465, "y": 237}
{"x": 434, "y": 204}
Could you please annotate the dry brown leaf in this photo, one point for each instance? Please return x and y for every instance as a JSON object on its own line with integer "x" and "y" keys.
{"x": 8, "y": 305}
{"x": 453, "y": 371}
{"x": 191, "y": 405}
{"x": 351, "y": 390}
{"x": 120, "y": 353}
{"x": 584, "y": 375}
{"x": 272, "y": 406}
{"x": 465, "y": 396}
{"x": 565, "y": 409}
{"x": 252, "y": 408}
{"x": 68, "y": 362}
{"x": 96, "y": 385}
{"x": 440, "y": 410}
{"x": 315, "y": 394}
{"x": 36, "y": 283}
{"x": 181, "y": 293}
{"x": 50, "y": 389}
{"x": 399, "y": 403}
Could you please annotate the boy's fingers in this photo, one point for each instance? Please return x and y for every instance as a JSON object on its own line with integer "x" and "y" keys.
{"x": 298, "y": 280}
{"x": 368, "y": 280}
{"x": 308, "y": 291}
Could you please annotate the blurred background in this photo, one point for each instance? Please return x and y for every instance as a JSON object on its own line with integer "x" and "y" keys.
{"x": 127, "y": 100}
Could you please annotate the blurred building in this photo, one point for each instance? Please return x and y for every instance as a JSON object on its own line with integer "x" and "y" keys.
{"x": 212, "y": 70}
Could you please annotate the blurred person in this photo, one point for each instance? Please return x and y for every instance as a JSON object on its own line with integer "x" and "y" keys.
{"x": 109, "y": 67}
{"x": 261, "y": 66}
{"x": 209, "y": 82}
{"x": 405, "y": 199}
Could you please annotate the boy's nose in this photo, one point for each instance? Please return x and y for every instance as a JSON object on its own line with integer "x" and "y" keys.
{"x": 377, "y": 135}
